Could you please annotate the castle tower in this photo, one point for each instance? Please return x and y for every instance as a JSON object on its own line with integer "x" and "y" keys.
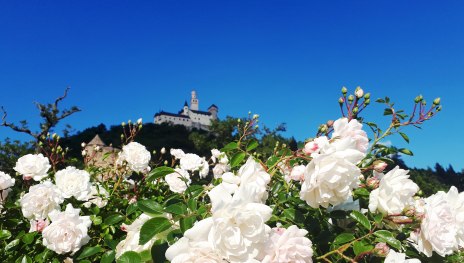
{"x": 194, "y": 101}
{"x": 213, "y": 109}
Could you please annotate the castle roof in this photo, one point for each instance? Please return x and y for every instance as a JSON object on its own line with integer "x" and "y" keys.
{"x": 171, "y": 114}
{"x": 96, "y": 141}
{"x": 201, "y": 112}
{"x": 213, "y": 106}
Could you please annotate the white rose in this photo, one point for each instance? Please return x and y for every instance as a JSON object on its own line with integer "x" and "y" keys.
{"x": 67, "y": 232}
{"x": 97, "y": 196}
{"x": 219, "y": 169}
{"x": 204, "y": 171}
{"x": 353, "y": 130}
{"x": 6, "y": 182}
{"x": 297, "y": 173}
{"x": 217, "y": 155}
{"x": 396, "y": 257}
{"x": 330, "y": 178}
{"x": 191, "y": 162}
{"x": 179, "y": 181}
{"x": 41, "y": 200}
{"x": 131, "y": 242}
{"x": 288, "y": 245}
{"x": 136, "y": 156}
{"x": 177, "y": 153}
{"x": 255, "y": 178}
{"x": 33, "y": 166}
{"x": 441, "y": 227}
{"x": 239, "y": 232}
{"x": 73, "y": 182}
{"x": 316, "y": 146}
{"x": 395, "y": 192}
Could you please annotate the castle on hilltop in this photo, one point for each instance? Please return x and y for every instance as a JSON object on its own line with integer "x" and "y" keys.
{"x": 190, "y": 117}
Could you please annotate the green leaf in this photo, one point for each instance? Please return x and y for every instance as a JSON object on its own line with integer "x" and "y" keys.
{"x": 388, "y": 237}
{"x": 177, "y": 208}
{"x": 387, "y": 111}
{"x": 130, "y": 257}
{"x": 150, "y": 207}
{"x": 12, "y": 244}
{"x": 28, "y": 238}
{"x": 405, "y": 137}
{"x": 360, "y": 247}
{"x": 96, "y": 220}
{"x": 131, "y": 209}
{"x": 230, "y": 146}
{"x": 187, "y": 222}
{"x": 159, "y": 172}
{"x": 152, "y": 227}
{"x": 361, "y": 192}
{"x": 380, "y": 100}
{"x": 252, "y": 145}
{"x": 361, "y": 219}
{"x": 108, "y": 257}
{"x": 343, "y": 238}
{"x": 113, "y": 219}
{"x": 89, "y": 251}
{"x": 158, "y": 252}
{"x": 405, "y": 151}
{"x": 236, "y": 159}
{"x": 26, "y": 259}
{"x": 5, "y": 234}
{"x": 42, "y": 257}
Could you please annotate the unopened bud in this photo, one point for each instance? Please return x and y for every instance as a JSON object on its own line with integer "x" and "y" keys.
{"x": 323, "y": 128}
{"x": 418, "y": 99}
{"x": 424, "y": 102}
{"x": 367, "y": 101}
{"x": 355, "y": 110}
{"x": 139, "y": 121}
{"x": 359, "y": 92}
{"x": 163, "y": 150}
{"x": 380, "y": 166}
{"x": 122, "y": 136}
{"x": 367, "y": 96}
{"x": 344, "y": 90}
{"x": 372, "y": 182}
{"x": 239, "y": 120}
{"x": 382, "y": 249}
{"x": 123, "y": 124}
{"x": 438, "y": 108}
{"x": 255, "y": 116}
{"x": 83, "y": 144}
{"x": 165, "y": 162}
{"x": 341, "y": 100}
{"x": 330, "y": 123}
{"x": 129, "y": 122}
{"x": 54, "y": 135}
{"x": 153, "y": 152}
{"x": 256, "y": 126}
{"x": 436, "y": 101}
{"x": 350, "y": 98}
{"x": 84, "y": 152}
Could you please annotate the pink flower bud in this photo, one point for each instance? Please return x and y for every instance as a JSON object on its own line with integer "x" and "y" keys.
{"x": 382, "y": 249}
{"x": 359, "y": 92}
{"x": 380, "y": 166}
{"x": 372, "y": 182}
{"x": 311, "y": 147}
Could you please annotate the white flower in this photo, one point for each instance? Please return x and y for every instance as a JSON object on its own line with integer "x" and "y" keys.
{"x": 395, "y": 192}
{"x": 316, "y": 145}
{"x": 204, "y": 171}
{"x": 353, "y": 130}
{"x": 179, "y": 181}
{"x": 131, "y": 242}
{"x": 255, "y": 179}
{"x": 136, "y": 156}
{"x": 38, "y": 225}
{"x": 219, "y": 156}
{"x": 219, "y": 169}
{"x": 359, "y": 92}
{"x": 396, "y": 257}
{"x": 33, "y": 166}
{"x": 297, "y": 173}
{"x": 67, "y": 232}
{"x": 6, "y": 182}
{"x": 73, "y": 182}
{"x": 177, "y": 153}
{"x": 191, "y": 162}
{"x": 442, "y": 226}
{"x": 288, "y": 245}
{"x": 41, "y": 200}
{"x": 330, "y": 178}
{"x": 97, "y": 196}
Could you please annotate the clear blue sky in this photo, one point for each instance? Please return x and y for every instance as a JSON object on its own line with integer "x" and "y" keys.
{"x": 285, "y": 60}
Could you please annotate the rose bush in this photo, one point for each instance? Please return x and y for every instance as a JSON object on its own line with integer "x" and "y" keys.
{"x": 339, "y": 198}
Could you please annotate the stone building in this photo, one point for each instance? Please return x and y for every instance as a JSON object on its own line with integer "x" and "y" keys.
{"x": 190, "y": 117}
{"x": 100, "y": 154}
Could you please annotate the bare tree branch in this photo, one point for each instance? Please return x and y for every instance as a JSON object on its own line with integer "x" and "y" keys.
{"x": 12, "y": 126}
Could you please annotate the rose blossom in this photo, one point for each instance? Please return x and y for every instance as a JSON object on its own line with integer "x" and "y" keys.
{"x": 177, "y": 153}
{"x": 136, "y": 156}
{"x": 217, "y": 155}
{"x": 67, "y": 232}
{"x": 6, "y": 182}
{"x": 191, "y": 162}
{"x": 394, "y": 193}
{"x": 329, "y": 178}
{"x": 176, "y": 180}
{"x": 41, "y": 200}
{"x": 288, "y": 245}
{"x": 395, "y": 257}
{"x": 316, "y": 145}
{"x": 442, "y": 225}
{"x": 219, "y": 169}
{"x": 73, "y": 182}
{"x": 131, "y": 242}
{"x": 353, "y": 130}
{"x": 255, "y": 179}
{"x": 297, "y": 173}
{"x": 97, "y": 196}
{"x": 33, "y": 166}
